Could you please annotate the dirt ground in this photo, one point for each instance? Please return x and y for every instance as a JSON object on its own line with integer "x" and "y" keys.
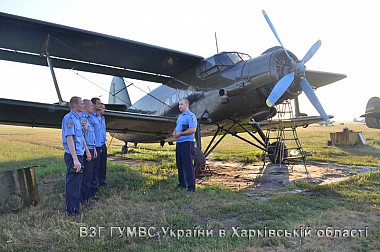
{"x": 256, "y": 177}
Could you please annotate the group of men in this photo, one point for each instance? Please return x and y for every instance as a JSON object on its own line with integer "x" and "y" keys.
{"x": 84, "y": 138}
{"x": 84, "y": 141}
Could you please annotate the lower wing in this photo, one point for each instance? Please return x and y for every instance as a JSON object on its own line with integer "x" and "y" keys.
{"x": 34, "y": 114}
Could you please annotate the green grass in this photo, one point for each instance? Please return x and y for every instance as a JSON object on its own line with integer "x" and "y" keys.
{"x": 142, "y": 195}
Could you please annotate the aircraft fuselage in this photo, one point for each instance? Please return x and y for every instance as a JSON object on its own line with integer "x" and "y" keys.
{"x": 237, "y": 92}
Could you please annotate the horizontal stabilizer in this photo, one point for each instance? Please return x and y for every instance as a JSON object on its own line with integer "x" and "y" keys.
{"x": 116, "y": 107}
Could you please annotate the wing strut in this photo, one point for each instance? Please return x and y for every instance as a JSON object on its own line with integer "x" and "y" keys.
{"x": 50, "y": 64}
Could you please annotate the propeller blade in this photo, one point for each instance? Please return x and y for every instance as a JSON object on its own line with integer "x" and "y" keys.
{"x": 313, "y": 99}
{"x": 275, "y": 34}
{"x": 311, "y": 52}
{"x": 279, "y": 89}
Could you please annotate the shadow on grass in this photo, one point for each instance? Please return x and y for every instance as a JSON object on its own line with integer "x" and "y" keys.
{"x": 359, "y": 150}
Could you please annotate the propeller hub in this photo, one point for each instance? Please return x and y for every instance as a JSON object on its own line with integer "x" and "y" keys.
{"x": 300, "y": 68}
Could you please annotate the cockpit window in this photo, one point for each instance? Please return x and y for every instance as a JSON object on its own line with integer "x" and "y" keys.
{"x": 219, "y": 62}
{"x": 223, "y": 60}
{"x": 244, "y": 56}
{"x": 234, "y": 57}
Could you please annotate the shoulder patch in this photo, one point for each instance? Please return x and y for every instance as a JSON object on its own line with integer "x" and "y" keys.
{"x": 69, "y": 125}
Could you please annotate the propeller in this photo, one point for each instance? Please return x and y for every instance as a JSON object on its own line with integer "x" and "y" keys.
{"x": 297, "y": 69}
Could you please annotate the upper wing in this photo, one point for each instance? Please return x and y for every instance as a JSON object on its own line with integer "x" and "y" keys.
{"x": 28, "y": 41}
{"x": 319, "y": 79}
{"x": 36, "y": 114}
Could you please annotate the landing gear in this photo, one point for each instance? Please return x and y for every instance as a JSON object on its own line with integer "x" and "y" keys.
{"x": 199, "y": 160}
{"x": 260, "y": 142}
{"x": 124, "y": 149}
{"x": 277, "y": 152}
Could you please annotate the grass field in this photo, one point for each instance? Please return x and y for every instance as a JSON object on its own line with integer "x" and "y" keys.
{"x": 140, "y": 211}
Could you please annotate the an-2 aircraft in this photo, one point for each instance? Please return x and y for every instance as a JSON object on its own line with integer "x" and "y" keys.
{"x": 229, "y": 92}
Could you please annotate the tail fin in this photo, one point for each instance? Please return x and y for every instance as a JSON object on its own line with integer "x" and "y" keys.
{"x": 372, "y": 113}
{"x": 118, "y": 93}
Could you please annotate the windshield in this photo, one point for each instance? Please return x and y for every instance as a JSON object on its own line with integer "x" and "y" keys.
{"x": 220, "y": 62}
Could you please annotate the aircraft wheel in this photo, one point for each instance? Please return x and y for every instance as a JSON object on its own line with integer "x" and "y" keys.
{"x": 124, "y": 149}
{"x": 278, "y": 149}
{"x": 199, "y": 160}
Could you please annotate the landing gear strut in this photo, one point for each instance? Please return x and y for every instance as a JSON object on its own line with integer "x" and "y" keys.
{"x": 261, "y": 143}
{"x": 124, "y": 149}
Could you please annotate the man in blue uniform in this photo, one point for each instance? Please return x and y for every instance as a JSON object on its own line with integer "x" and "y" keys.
{"x": 88, "y": 169}
{"x": 184, "y": 134}
{"x": 102, "y": 175}
{"x": 73, "y": 143}
{"x": 96, "y": 120}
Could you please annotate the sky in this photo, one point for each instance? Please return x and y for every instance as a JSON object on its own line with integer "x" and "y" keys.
{"x": 349, "y": 31}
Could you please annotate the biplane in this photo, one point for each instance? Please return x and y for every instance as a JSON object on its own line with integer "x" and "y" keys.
{"x": 229, "y": 92}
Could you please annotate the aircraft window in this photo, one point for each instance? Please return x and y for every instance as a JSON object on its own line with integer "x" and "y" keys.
{"x": 189, "y": 92}
{"x": 174, "y": 98}
{"x": 222, "y": 59}
{"x": 234, "y": 57}
{"x": 209, "y": 63}
{"x": 244, "y": 56}
{"x": 219, "y": 62}
{"x": 181, "y": 94}
{"x": 167, "y": 101}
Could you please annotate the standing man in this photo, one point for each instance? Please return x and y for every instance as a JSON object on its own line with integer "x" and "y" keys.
{"x": 73, "y": 143}
{"x": 99, "y": 140}
{"x": 91, "y": 155}
{"x": 102, "y": 175}
{"x": 184, "y": 134}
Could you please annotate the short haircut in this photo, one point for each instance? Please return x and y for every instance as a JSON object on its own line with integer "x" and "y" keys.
{"x": 87, "y": 101}
{"x": 94, "y": 100}
{"x": 74, "y": 100}
{"x": 185, "y": 100}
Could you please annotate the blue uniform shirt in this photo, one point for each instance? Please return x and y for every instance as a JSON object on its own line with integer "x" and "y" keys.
{"x": 71, "y": 126}
{"x": 89, "y": 135}
{"x": 99, "y": 129}
{"x": 186, "y": 120}
{"x": 104, "y": 131}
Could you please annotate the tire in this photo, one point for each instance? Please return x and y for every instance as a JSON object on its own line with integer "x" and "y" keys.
{"x": 199, "y": 160}
{"x": 276, "y": 149}
{"x": 124, "y": 149}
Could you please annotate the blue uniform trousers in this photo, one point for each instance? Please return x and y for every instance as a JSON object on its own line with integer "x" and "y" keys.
{"x": 87, "y": 174}
{"x": 95, "y": 173}
{"x": 102, "y": 173}
{"x": 184, "y": 159}
{"x": 73, "y": 185}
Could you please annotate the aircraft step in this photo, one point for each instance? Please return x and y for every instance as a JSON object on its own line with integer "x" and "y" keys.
{"x": 283, "y": 139}
{"x": 274, "y": 138}
{"x": 292, "y": 138}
